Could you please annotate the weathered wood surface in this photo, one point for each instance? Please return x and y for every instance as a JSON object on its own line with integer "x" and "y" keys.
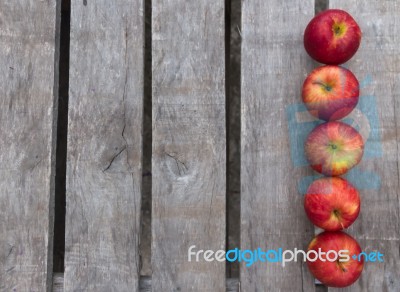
{"x": 189, "y": 158}
{"x": 28, "y": 102}
{"x": 377, "y": 228}
{"x": 274, "y": 66}
{"x": 232, "y": 285}
{"x": 104, "y": 146}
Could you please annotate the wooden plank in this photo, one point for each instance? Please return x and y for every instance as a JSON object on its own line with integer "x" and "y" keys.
{"x": 189, "y": 159}
{"x": 377, "y": 228}
{"x": 104, "y": 146}
{"x": 274, "y": 66}
{"x": 58, "y": 282}
{"x": 232, "y": 285}
{"x": 29, "y": 77}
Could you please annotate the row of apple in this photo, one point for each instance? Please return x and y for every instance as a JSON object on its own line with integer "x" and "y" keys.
{"x": 330, "y": 93}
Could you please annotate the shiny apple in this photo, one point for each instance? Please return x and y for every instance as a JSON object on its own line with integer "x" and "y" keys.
{"x": 330, "y": 92}
{"x": 332, "y": 37}
{"x": 342, "y": 271}
{"x": 332, "y": 203}
{"x": 333, "y": 148}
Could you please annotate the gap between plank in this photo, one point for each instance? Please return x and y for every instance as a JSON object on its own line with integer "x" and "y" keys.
{"x": 320, "y": 5}
{"x": 233, "y": 120}
{"x": 227, "y": 120}
{"x": 61, "y": 150}
{"x": 145, "y": 222}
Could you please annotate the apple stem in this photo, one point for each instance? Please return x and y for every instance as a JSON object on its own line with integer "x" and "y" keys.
{"x": 325, "y": 86}
{"x": 341, "y": 266}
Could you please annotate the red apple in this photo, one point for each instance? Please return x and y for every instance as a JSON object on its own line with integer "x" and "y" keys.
{"x": 332, "y": 203}
{"x": 343, "y": 271}
{"x": 332, "y": 37}
{"x": 333, "y": 148}
{"x": 330, "y": 92}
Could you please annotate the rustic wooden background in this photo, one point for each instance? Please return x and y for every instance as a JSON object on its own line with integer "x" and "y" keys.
{"x": 109, "y": 106}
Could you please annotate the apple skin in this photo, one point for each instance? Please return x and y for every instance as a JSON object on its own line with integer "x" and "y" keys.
{"x": 333, "y": 148}
{"x": 336, "y": 274}
{"x": 332, "y": 203}
{"x": 332, "y": 37}
{"x": 330, "y": 92}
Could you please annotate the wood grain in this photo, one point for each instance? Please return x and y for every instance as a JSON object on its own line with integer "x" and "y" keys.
{"x": 274, "y": 66}
{"x": 232, "y": 285}
{"x": 104, "y": 146}
{"x": 378, "y": 226}
{"x": 58, "y": 282}
{"x": 189, "y": 149}
{"x": 29, "y": 33}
